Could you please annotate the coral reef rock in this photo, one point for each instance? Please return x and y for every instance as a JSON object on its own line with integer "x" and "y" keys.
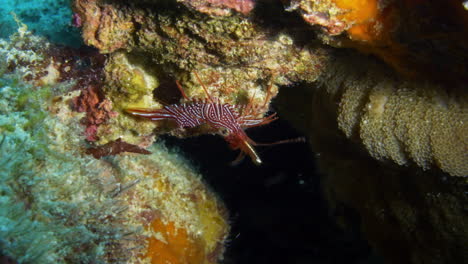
{"x": 59, "y": 205}
{"x": 405, "y": 121}
{"x": 151, "y": 44}
{"x": 40, "y": 16}
{"x": 397, "y": 120}
{"x": 417, "y": 38}
{"x": 393, "y": 152}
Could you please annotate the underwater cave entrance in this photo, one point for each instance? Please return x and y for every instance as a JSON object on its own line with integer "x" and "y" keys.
{"x": 277, "y": 211}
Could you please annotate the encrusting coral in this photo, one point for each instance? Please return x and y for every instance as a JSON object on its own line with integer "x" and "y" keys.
{"x": 88, "y": 210}
{"x": 234, "y": 58}
{"x": 221, "y": 7}
{"x": 387, "y": 141}
{"x": 237, "y": 61}
{"x": 417, "y": 38}
{"x": 400, "y": 206}
{"x": 58, "y": 205}
{"x": 360, "y": 18}
{"x": 407, "y": 122}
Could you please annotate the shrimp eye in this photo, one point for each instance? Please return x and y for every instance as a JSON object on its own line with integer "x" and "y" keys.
{"x": 225, "y": 132}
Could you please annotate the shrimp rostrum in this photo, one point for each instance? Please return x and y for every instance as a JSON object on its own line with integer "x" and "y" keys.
{"x": 229, "y": 120}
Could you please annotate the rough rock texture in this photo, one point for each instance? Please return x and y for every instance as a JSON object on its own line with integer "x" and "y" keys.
{"x": 59, "y": 205}
{"x": 39, "y": 16}
{"x": 418, "y": 38}
{"x": 237, "y": 60}
{"x": 387, "y": 142}
{"x": 233, "y": 56}
{"x": 221, "y": 7}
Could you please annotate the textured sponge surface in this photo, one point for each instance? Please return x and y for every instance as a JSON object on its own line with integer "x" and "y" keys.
{"x": 405, "y": 121}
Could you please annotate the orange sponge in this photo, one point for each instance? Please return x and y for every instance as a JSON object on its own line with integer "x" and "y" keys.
{"x": 368, "y": 23}
{"x": 173, "y": 245}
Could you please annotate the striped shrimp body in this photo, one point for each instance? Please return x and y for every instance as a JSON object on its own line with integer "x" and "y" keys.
{"x": 229, "y": 120}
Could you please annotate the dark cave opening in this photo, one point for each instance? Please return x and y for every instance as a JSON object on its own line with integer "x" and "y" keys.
{"x": 277, "y": 211}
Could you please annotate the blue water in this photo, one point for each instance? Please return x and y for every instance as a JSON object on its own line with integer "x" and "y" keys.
{"x": 48, "y": 18}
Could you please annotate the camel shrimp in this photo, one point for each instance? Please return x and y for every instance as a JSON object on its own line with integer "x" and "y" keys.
{"x": 229, "y": 120}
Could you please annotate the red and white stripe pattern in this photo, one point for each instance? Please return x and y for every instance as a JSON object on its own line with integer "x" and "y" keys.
{"x": 216, "y": 115}
{"x": 229, "y": 120}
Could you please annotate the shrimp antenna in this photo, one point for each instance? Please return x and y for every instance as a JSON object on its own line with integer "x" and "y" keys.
{"x": 249, "y": 108}
{"x": 204, "y": 88}
{"x": 181, "y": 90}
{"x": 286, "y": 141}
{"x": 268, "y": 96}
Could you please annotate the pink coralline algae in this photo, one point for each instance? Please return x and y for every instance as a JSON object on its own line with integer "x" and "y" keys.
{"x": 220, "y": 7}
{"x": 97, "y": 109}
